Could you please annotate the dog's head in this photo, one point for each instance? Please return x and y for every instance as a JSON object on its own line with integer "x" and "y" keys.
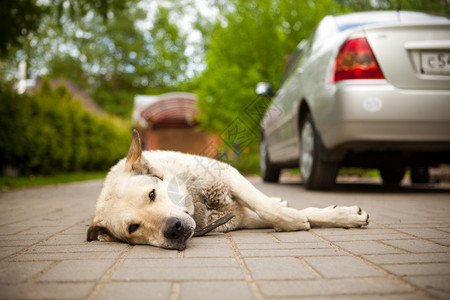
{"x": 134, "y": 206}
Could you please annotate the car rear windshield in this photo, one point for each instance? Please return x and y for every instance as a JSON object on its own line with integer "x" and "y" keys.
{"x": 343, "y": 27}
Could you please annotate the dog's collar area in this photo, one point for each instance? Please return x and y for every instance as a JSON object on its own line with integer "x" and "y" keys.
{"x": 214, "y": 224}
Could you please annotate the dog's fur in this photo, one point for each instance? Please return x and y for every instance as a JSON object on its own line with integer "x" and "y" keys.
{"x": 160, "y": 197}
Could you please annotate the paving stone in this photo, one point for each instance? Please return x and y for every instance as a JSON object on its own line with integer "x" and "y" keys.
{"x": 79, "y": 229}
{"x": 77, "y": 270}
{"x": 408, "y": 258}
{"x": 20, "y": 237}
{"x": 296, "y": 237}
{"x": 46, "y": 291}
{"x": 18, "y": 272}
{"x": 43, "y": 230}
{"x": 446, "y": 229}
{"x": 342, "y": 267}
{"x": 402, "y": 296}
{"x": 332, "y": 287}
{"x": 331, "y": 232}
{"x": 220, "y": 250}
{"x": 135, "y": 290}
{"x": 210, "y": 238}
{"x": 185, "y": 262}
{"x": 369, "y": 237}
{"x": 435, "y": 285}
{"x": 418, "y": 246}
{"x": 367, "y": 247}
{"x": 215, "y": 290}
{"x": 66, "y": 239}
{"x": 8, "y": 251}
{"x": 289, "y": 252}
{"x": 426, "y": 233}
{"x": 24, "y": 243}
{"x": 100, "y": 247}
{"x": 409, "y": 235}
{"x": 311, "y": 245}
{"x": 13, "y": 229}
{"x": 419, "y": 269}
{"x": 145, "y": 270}
{"x": 444, "y": 242}
{"x": 277, "y": 268}
{"x": 173, "y": 274}
{"x": 143, "y": 251}
{"x": 26, "y": 256}
{"x": 252, "y": 237}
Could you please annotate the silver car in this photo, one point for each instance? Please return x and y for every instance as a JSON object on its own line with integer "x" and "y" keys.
{"x": 370, "y": 90}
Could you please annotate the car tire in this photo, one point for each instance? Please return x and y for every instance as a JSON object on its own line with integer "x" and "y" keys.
{"x": 269, "y": 172}
{"x": 420, "y": 175}
{"x": 317, "y": 174}
{"x": 392, "y": 176}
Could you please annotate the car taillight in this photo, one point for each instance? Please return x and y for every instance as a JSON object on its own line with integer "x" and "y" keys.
{"x": 355, "y": 60}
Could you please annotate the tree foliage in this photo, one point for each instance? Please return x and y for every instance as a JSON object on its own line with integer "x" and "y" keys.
{"x": 251, "y": 43}
{"x": 115, "y": 49}
{"x": 50, "y": 132}
{"x": 248, "y": 47}
{"x": 18, "y": 18}
{"x": 100, "y": 46}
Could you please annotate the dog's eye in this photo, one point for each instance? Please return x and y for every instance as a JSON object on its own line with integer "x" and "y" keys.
{"x": 132, "y": 228}
{"x": 152, "y": 195}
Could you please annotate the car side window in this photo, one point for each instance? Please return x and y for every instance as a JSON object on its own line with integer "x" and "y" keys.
{"x": 292, "y": 62}
{"x": 303, "y": 50}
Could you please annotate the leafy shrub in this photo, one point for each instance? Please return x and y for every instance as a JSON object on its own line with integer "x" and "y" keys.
{"x": 50, "y": 132}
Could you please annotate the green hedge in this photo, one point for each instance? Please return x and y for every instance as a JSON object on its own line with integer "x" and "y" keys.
{"x": 50, "y": 132}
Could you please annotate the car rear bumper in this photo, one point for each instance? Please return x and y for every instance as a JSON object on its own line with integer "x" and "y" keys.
{"x": 376, "y": 112}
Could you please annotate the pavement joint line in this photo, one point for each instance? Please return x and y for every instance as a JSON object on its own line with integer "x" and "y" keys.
{"x": 33, "y": 217}
{"x": 274, "y": 237}
{"x": 247, "y": 275}
{"x": 440, "y": 230}
{"x": 39, "y": 242}
{"x": 42, "y": 272}
{"x": 105, "y": 278}
{"x": 416, "y": 289}
{"x": 175, "y": 291}
{"x": 310, "y": 268}
{"x": 415, "y": 236}
{"x": 393, "y": 247}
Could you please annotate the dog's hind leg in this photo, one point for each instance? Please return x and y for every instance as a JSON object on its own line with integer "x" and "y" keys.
{"x": 269, "y": 211}
{"x": 337, "y": 216}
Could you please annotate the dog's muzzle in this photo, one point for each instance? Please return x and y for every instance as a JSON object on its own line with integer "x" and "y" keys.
{"x": 177, "y": 233}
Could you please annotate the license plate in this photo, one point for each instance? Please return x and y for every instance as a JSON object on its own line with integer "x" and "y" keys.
{"x": 436, "y": 63}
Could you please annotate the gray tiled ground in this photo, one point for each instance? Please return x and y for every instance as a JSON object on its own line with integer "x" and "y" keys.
{"x": 403, "y": 254}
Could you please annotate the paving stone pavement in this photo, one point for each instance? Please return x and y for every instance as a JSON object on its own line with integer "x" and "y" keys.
{"x": 403, "y": 254}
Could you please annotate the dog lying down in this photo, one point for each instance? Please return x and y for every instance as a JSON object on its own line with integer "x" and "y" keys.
{"x": 162, "y": 198}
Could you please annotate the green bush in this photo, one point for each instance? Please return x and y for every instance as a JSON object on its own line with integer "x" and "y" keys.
{"x": 49, "y": 133}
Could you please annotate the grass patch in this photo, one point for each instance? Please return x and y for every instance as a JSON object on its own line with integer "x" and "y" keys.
{"x": 12, "y": 182}
{"x": 359, "y": 172}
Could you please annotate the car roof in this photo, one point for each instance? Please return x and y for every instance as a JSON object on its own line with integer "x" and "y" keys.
{"x": 350, "y": 20}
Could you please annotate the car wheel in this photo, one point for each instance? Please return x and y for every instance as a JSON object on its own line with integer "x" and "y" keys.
{"x": 316, "y": 173}
{"x": 420, "y": 175}
{"x": 392, "y": 176}
{"x": 269, "y": 172}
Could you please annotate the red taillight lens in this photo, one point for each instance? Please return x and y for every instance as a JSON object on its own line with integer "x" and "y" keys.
{"x": 355, "y": 60}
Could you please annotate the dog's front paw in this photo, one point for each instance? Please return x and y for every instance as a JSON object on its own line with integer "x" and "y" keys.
{"x": 350, "y": 216}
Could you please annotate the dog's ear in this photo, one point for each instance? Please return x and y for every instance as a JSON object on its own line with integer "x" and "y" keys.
{"x": 135, "y": 162}
{"x": 97, "y": 232}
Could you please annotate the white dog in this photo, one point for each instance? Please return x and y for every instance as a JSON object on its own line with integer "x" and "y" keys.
{"x": 161, "y": 198}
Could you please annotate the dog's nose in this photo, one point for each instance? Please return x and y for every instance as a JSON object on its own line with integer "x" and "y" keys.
{"x": 174, "y": 228}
